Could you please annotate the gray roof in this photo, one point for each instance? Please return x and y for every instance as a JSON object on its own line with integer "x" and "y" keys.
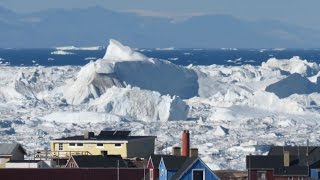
{"x": 107, "y": 135}
{"x": 9, "y": 148}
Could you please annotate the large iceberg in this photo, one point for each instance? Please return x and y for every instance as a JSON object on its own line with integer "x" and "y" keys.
{"x": 137, "y": 104}
{"x": 122, "y": 66}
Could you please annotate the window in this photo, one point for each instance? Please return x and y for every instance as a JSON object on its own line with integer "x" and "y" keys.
{"x": 79, "y": 144}
{"x": 151, "y": 174}
{"x": 72, "y": 165}
{"x": 290, "y": 178}
{"x": 99, "y": 145}
{"x": 300, "y": 178}
{"x": 117, "y": 145}
{"x": 60, "y": 146}
{"x": 162, "y": 172}
{"x": 261, "y": 175}
{"x": 198, "y": 174}
{"x": 72, "y": 144}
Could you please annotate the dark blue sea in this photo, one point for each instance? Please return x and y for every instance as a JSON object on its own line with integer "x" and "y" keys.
{"x": 44, "y": 57}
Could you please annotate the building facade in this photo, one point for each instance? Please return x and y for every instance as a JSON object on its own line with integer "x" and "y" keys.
{"x": 106, "y": 143}
{"x": 11, "y": 151}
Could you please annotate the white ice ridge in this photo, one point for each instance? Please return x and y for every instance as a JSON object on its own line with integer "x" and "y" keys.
{"x": 122, "y": 66}
{"x": 117, "y": 51}
{"x": 137, "y": 104}
{"x": 293, "y": 65}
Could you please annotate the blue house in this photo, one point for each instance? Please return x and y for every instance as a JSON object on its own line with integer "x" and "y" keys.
{"x": 184, "y": 168}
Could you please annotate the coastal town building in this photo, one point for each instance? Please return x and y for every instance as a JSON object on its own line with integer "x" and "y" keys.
{"x": 11, "y": 151}
{"x": 105, "y": 143}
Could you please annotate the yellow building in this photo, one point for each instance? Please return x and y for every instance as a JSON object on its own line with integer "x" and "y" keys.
{"x": 106, "y": 143}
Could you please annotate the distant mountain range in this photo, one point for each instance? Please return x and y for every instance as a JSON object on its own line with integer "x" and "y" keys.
{"x": 95, "y": 25}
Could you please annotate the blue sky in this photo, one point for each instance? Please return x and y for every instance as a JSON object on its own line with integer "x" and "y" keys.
{"x": 298, "y": 12}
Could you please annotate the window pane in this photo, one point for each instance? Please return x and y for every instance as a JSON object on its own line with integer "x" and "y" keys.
{"x": 99, "y": 144}
{"x": 117, "y": 145}
{"x": 60, "y": 146}
{"x": 198, "y": 175}
{"x": 72, "y": 144}
{"x": 80, "y": 144}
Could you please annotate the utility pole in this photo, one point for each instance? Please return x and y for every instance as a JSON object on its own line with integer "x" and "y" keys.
{"x": 118, "y": 175}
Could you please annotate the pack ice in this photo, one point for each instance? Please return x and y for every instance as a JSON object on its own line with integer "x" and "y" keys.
{"x": 230, "y": 111}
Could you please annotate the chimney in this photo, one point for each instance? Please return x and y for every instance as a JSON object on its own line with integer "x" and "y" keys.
{"x": 88, "y": 135}
{"x": 286, "y": 158}
{"x": 194, "y": 152}
{"x": 176, "y": 151}
{"x": 185, "y": 143}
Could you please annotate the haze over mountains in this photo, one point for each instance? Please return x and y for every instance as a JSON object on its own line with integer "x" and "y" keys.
{"x": 93, "y": 26}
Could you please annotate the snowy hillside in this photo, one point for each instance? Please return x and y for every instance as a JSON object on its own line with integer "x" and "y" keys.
{"x": 230, "y": 111}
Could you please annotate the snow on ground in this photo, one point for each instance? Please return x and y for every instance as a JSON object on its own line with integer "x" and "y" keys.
{"x": 229, "y": 116}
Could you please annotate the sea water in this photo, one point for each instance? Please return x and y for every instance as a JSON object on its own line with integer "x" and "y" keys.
{"x": 46, "y": 57}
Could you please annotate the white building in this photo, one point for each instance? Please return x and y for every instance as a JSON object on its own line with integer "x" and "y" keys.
{"x": 27, "y": 164}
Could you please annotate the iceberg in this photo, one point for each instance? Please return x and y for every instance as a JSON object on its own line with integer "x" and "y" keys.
{"x": 121, "y": 66}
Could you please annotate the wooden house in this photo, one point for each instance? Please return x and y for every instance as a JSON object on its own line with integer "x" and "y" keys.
{"x": 105, "y": 143}
{"x": 179, "y": 167}
{"x": 293, "y": 163}
{"x": 11, "y": 151}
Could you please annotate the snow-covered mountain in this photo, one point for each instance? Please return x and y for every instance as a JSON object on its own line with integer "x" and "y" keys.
{"x": 231, "y": 111}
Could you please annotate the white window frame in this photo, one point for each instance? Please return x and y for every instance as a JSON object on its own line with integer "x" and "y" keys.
{"x": 72, "y": 146}
{"x": 79, "y": 146}
{"x": 100, "y": 146}
{"x": 264, "y": 172}
{"x": 60, "y": 146}
{"x": 203, "y": 170}
{"x": 72, "y": 165}
{"x": 300, "y": 178}
{"x": 117, "y": 146}
{"x": 151, "y": 174}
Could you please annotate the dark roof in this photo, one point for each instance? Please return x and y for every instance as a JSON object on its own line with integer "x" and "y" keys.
{"x": 275, "y": 162}
{"x": 264, "y": 162}
{"x": 156, "y": 160}
{"x": 9, "y": 148}
{"x": 170, "y": 161}
{"x": 189, "y": 162}
{"x": 312, "y": 157}
{"x": 108, "y": 161}
{"x": 107, "y": 135}
{"x": 174, "y": 162}
{"x": 293, "y": 150}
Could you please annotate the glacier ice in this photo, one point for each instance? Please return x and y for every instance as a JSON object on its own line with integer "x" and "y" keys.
{"x": 227, "y": 109}
{"x": 121, "y": 65}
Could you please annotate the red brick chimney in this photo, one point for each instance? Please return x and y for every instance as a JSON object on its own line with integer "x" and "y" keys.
{"x": 185, "y": 143}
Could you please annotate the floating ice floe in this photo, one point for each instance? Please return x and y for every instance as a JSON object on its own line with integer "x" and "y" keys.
{"x": 74, "y": 48}
{"x": 61, "y": 52}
